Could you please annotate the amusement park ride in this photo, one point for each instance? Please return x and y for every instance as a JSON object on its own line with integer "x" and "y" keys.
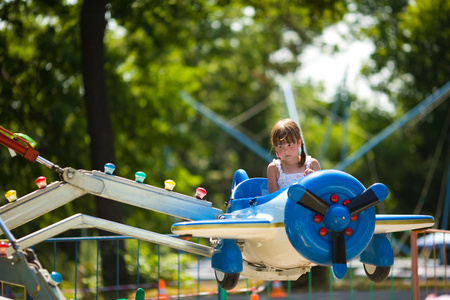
{"x": 326, "y": 218}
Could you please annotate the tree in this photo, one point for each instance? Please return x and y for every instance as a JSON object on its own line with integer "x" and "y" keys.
{"x": 411, "y": 39}
{"x": 92, "y": 29}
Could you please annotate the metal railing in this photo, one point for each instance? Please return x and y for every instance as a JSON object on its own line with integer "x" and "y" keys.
{"x": 434, "y": 266}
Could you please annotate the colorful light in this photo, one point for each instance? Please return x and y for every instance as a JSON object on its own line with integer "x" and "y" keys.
{"x": 169, "y": 184}
{"x": 200, "y": 193}
{"x": 354, "y": 218}
{"x": 346, "y": 201}
{"x": 56, "y": 277}
{"x": 41, "y": 182}
{"x": 11, "y": 195}
{"x": 323, "y": 231}
{"x": 348, "y": 231}
{"x": 140, "y": 176}
{"x": 317, "y": 218}
{"x": 4, "y": 248}
{"x": 334, "y": 198}
{"x": 109, "y": 168}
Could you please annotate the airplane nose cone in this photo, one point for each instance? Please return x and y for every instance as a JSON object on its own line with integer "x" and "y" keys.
{"x": 337, "y": 218}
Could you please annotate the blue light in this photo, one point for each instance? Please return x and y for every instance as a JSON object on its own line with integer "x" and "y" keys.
{"x": 56, "y": 277}
{"x": 109, "y": 168}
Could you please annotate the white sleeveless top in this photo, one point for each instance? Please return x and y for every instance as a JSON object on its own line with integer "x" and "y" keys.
{"x": 287, "y": 179}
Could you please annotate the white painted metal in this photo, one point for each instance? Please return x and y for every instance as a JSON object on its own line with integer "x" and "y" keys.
{"x": 79, "y": 221}
{"x": 38, "y": 203}
{"x": 78, "y": 183}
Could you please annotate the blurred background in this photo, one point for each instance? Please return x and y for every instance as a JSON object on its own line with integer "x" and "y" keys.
{"x": 108, "y": 81}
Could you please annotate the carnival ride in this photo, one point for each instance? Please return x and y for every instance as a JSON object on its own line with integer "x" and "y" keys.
{"x": 327, "y": 218}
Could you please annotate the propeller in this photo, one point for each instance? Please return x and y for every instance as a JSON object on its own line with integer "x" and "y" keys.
{"x": 337, "y": 216}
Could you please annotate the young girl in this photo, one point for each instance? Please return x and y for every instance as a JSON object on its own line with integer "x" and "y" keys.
{"x": 289, "y": 167}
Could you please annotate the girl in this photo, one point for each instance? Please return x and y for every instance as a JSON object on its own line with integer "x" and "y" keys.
{"x": 289, "y": 167}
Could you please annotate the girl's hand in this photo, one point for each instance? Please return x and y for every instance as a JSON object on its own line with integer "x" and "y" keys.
{"x": 308, "y": 171}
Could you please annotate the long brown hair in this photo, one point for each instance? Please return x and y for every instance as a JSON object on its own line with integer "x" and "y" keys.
{"x": 287, "y": 131}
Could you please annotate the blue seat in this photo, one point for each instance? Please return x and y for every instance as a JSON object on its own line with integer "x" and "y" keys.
{"x": 250, "y": 188}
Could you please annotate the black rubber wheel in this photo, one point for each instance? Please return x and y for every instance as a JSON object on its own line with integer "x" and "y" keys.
{"x": 226, "y": 281}
{"x": 375, "y": 273}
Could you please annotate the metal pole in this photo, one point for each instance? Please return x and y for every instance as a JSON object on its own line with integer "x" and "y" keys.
{"x": 446, "y": 210}
{"x": 414, "y": 266}
{"x": 422, "y": 109}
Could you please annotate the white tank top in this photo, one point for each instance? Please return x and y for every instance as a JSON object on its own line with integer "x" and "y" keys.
{"x": 287, "y": 179}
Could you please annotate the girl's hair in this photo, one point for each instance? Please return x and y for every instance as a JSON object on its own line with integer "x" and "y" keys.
{"x": 287, "y": 131}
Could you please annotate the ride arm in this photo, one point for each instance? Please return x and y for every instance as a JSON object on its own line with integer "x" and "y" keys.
{"x": 23, "y": 145}
{"x": 19, "y": 144}
{"x": 76, "y": 183}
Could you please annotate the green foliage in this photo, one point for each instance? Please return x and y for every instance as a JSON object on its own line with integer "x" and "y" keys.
{"x": 411, "y": 59}
{"x": 227, "y": 55}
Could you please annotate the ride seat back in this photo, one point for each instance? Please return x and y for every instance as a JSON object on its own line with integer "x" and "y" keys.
{"x": 250, "y": 188}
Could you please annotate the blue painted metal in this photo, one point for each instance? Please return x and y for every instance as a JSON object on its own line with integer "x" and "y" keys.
{"x": 227, "y": 257}
{"x": 327, "y": 134}
{"x": 291, "y": 107}
{"x": 137, "y": 261}
{"x": 117, "y": 269}
{"x": 76, "y": 268}
{"x": 446, "y": 210}
{"x": 254, "y": 187}
{"x": 339, "y": 270}
{"x": 239, "y": 176}
{"x": 345, "y": 115}
{"x": 422, "y": 108}
{"x": 303, "y": 232}
{"x": 379, "y": 252}
{"x": 96, "y": 273}
{"x": 337, "y": 218}
{"x": 242, "y": 138}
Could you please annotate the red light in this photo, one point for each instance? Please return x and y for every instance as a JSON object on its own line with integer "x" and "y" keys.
{"x": 323, "y": 231}
{"x": 334, "y": 198}
{"x": 317, "y": 218}
{"x": 348, "y": 231}
{"x": 346, "y": 201}
{"x": 41, "y": 182}
{"x": 200, "y": 193}
{"x": 354, "y": 218}
{"x": 3, "y": 248}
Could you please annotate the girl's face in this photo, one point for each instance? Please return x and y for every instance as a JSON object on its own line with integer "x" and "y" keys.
{"x": 288, "y": 150}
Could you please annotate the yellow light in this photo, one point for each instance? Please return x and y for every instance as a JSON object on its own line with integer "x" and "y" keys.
{"x": 169, "y": 184}
{"x": 11, "y": 195}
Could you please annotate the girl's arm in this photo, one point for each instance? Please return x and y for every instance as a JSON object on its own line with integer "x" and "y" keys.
{"x": 272, "y": 172}
{"x": 315, "y": 166}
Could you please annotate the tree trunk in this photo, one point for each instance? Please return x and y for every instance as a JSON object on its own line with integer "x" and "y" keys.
{"x": 93, "y": 25}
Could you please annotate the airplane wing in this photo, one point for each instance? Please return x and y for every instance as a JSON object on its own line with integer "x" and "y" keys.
{"x": 227, "y": 228}
{"x": 394, "y": 223}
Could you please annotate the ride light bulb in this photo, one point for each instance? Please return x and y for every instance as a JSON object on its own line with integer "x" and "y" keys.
{"x": 334, "y": 198}
{"x": 323, "y": 231}
{"x": 56, "y": 277}
{"x": 11, "y": 195}
{"x": 169, "y": 184}
{"x": 109, "y": 168}
{"x": 41, "y": 182}
{"x": 348, "y": 231}
{"x": 317, "y": 218}
{"x": 140, "y": 176}
{"x": 4, "y": 248}
{"x": 354, "y": 218}
{"x": 346, "y": 201}
{"x": 200, "y": 193}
